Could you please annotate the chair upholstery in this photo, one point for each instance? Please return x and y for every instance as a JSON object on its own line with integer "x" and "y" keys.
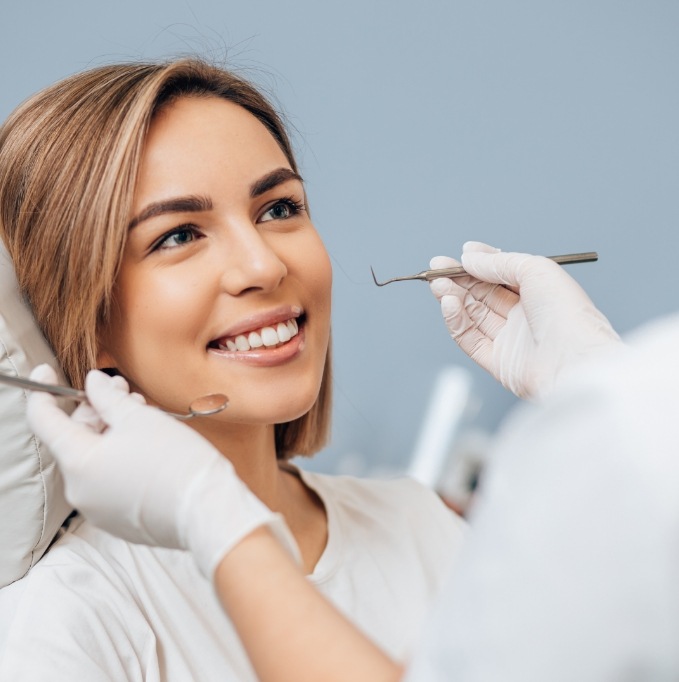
{"x": 32, "y": 503}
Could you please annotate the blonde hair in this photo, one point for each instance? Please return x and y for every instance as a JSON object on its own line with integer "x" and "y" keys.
{"x": 69, "y": 159}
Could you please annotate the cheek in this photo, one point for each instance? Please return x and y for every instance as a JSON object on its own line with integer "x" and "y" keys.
{"x": 316, "y": 272}
{"x": 325, "y": 282}
{"x": 154, "y": 317}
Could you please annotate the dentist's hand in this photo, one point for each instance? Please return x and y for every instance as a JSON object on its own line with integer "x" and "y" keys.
{"x": 142, "y": 475}
{"x": 521, "y": 317}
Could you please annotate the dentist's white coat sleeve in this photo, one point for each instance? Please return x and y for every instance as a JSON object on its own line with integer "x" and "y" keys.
{"x": 570, "y": 572}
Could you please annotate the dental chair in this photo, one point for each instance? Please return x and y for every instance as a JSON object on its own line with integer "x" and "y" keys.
{"x": 32, "y": 503}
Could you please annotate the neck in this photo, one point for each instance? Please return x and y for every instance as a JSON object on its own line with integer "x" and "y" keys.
{"x": 251, "y": 450}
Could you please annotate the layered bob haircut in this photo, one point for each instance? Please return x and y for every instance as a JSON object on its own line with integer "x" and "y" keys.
{"x": 69, "y": 160}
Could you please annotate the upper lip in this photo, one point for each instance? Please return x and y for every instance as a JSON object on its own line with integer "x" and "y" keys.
{"x": 268, "y": 318}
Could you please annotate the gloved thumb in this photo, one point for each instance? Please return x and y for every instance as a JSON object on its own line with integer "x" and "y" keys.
{"x": 470, "y": 246}
{"x": 499, "y": 267}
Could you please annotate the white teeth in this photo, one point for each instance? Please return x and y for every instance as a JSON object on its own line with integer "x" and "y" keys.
{"x": 269, "y": 336}
{"x": 283, "y": 332}
{"x": 266, "y": 336}
{"x": 242, "y": 343}
{"x": 255, "y": 340}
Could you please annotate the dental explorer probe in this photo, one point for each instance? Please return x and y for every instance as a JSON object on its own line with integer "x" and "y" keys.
{"x": 200, "y": 407}
{"x": 459, "y": 271}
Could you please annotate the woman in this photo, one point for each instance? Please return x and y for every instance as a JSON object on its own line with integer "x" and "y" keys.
{"x": 158, "y": 226}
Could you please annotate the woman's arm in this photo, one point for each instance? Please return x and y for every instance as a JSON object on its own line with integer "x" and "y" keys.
{"x": 289, "y": 630}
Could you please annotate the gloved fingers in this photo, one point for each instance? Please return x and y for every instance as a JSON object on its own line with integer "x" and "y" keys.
{"x": 501, "y": 301}
{"x": 138, "y": 397}
{"x": 460, "y": 310}
{"x": 480, "y": 247}
{"x": 510, "y": 269}
{"x": 86, "y": 415}
{"x": 439, "y": 262}
{"x": 110, "y": 398}
{"x": 46, "y": 419}
{"x": 481, "y": 306}
{"x": 455, "y": 315}
{"x": 44, "y": 374}
{"x": 444, "y": 286}
{"x": 465, "y": 332}
{"x": 457, "y": 286}
{"x": 541, "y": 281}
{"x": 52, "y": 425}
{"x": 497, "y": 297}
{"x": 485, "y": 319}
{"x": 463, "y": 314}
{"x": 120, "y": 382}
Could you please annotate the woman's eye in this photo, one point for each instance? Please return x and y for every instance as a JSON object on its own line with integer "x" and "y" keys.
{"x": 281, "y": 210}
{"x": 178, "y": 237}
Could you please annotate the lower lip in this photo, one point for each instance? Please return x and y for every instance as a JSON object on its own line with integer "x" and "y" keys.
{"x": 266, "y": 357}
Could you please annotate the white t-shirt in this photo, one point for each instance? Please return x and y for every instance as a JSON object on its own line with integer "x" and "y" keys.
{"x": 99, "y": 608}
{"x": 571, "y": 571}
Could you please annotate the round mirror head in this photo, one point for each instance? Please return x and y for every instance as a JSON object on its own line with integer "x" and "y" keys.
{"x": 208, "y": 404}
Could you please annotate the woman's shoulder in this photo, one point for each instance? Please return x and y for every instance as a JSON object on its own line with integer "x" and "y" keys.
{"x": 99, "y": 570}
{"x": 69, "y": 611}
{"x": 398, "y": 502}
{"x": 394, "y": 535}
{"x": 85, "y": 555}
{"x": 82, "y": 564}
{"x": 393, "y": 492}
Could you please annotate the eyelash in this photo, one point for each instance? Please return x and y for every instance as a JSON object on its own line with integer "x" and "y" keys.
{"x": 295, "y": 207}
{"x": 158, "y": 244}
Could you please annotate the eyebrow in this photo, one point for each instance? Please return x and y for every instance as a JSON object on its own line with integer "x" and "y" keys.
{"x": 273, "y": 179}
{"x": 190, "y": 204}
{"x": 194, "y": 204}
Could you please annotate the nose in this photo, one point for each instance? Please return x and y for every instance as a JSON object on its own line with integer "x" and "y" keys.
{"x": 252, "y": 263}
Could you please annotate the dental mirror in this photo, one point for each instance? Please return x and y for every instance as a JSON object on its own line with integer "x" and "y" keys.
{"x": 204, "y": 406}
{"x": 200, "y": 407}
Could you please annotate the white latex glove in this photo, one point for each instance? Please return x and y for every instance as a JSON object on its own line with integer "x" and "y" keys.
{"x": 145, "y": 477}
{"x": 520, "y": 317}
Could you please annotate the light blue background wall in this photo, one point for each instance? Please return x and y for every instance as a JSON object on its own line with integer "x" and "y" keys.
{"x": 543, "y": 126}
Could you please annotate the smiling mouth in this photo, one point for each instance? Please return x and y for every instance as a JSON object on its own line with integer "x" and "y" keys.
{"x": 263, "y": 338}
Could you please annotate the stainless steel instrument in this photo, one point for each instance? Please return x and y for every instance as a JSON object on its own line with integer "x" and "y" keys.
{"x": 459, "y": 271}
{"x": 200, "y": 407}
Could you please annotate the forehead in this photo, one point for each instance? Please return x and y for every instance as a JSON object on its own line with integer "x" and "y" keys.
{"x": 205, "y": 138}
{"x": 189, "y": 121}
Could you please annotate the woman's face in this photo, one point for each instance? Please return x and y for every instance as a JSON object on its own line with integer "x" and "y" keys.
{"x": 225, "y": 284}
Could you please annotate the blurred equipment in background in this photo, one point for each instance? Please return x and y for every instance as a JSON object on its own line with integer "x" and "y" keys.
{"x": 449, "y": 455}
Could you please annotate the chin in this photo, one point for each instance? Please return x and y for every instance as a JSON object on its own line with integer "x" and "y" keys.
{"x": 291, "y": 412}
{"x": 268, "y": 411}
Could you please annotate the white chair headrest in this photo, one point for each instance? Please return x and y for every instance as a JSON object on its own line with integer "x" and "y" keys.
{"x": 32, "y": 503}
